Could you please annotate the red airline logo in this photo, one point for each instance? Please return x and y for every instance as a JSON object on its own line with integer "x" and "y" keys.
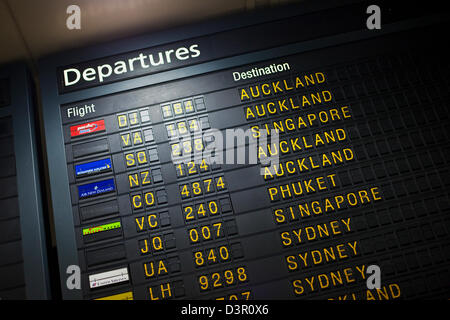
{"x": 87, "y": 128}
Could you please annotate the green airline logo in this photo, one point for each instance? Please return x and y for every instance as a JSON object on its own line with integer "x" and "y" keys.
{"x": 104, "y": 227}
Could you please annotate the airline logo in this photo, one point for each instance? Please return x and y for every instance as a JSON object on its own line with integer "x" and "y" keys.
{"x": 93, "y": 167}
{"x": 87, "y": 128}
{"x": 108, "y": 278}
{"x": 121, "y": 296}
{"x": 96, "y": 188}
{"x": 104, "y": 227}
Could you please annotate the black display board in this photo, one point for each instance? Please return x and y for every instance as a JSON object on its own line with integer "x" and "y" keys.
{"x": 23, "y": 262}
{"x": 363, "y": 150}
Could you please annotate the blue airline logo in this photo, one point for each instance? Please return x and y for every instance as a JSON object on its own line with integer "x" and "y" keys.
{"x": 96, "y": 188}
{"x": 93, "y": 167}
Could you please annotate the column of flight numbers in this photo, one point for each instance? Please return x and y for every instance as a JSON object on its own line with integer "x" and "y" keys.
{"x": 206, "y": 204}
{"x": 298, "y": 106}
{"x": 148, "y": 198}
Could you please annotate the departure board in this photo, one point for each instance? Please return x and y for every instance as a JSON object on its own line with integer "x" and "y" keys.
{"x": 23, "y": 251}
{"x": 271, "y": 157}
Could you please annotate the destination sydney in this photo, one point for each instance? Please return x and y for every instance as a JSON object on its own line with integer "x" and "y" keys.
{"x": 127, "y": 65}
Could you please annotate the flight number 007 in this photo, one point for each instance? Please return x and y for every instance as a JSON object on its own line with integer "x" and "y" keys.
{"x": 221, "y": 279}
{"x": 207, "y": 232}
